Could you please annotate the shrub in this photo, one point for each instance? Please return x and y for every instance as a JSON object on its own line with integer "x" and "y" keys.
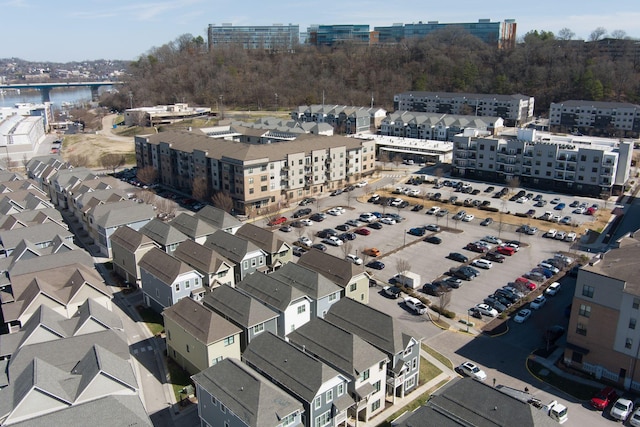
{"x": 488, "y": 208}
{"x": 446, "y": 313}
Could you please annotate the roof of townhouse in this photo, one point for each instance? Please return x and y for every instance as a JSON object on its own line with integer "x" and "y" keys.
{"x": 238, "y": 306}
{"x": 53, "y": 260}
{"x": 22, "y": 184}
{"x": 374, "y": 326}
{"x": 7, "y": 176}
{"x": 121, "y": 213}
{"x": 306, "y": 280}
{"x": 266, "y": 240}
{"x": 291, "y": 367}
{"x": 188, "y": 142}
{"x": 338, "y": 270}
{"x": 130, "y": 239}
{"x": 192, "y": 226}
{"x": 339, "y": 348}
{"x": 163, "y": 232}
{"x": 163, "y": 266}
{"x": 67, "y": 178}
{"x": 218, "y": 218}
{"x": 37, "y": 233}
{"x": 202, "y": 258}
{"x": 270, "y": 290}
{"x": 253, "y": 398}
{"x": 199, "y": 321}
{"x": 232, "y": 247}
{"x": 32, "y": 217}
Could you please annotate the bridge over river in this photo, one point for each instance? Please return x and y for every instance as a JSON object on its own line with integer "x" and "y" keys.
{"x": 45, "y": 88}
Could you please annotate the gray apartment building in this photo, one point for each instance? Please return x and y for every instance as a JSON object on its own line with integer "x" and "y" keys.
{"x": 595, "y": 118}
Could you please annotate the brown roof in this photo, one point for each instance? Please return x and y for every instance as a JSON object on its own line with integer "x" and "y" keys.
{"x": 336, "y": 269}
{"x": 129, "y": 238}
{"x": 266, "y": 240}
{"x": 200, "y": 257}
{"x": 163, "y": 266}
{"x": 200, "y": 322}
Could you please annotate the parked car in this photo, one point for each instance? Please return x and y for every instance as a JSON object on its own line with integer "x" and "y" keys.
{"x": 538, "y": 303}
{"x": 435, "y": 240}
{"x": 522, "y": 315}
{"x": 415, "y": 305}
{"x": 342, "y": 227}
{"x": 475, "y": 247}
{"x": 376, "y": 265}
{"x": 354, "y": 259}
{"x": 435, "y": 289}
{"x": 374, "y": 252}
{"x": 362, "y": 231}
{"x": 482, "y": 263}
{"x": 468, "y": 218}
{"x": 307, "y": 201}
{"x": 286, "y": 228}
{"x": 553, "y": 289}
{"x": 417, "y": 231}
{"x": 347, "y": 236}
{"x": 305, "y": 241}
{"x": 492, "y": 239}
{"x": 375, "y": 225}
{"x": 434, "y": 210}
{"x": 306, "y": 222}
{"x": 301, "y": 212}
{"x": 621, "y": 409}
{"x": 432, "y": 227}
{"x": 417, "y": 208}
{"x": 494, "y": 256}
{"x": 298, "y": 251}
{"x": 392, "y": 291}
{"x": 470, "y": 369}
{"x": 534, "y": 275}
{"x": 487, "y": 310}
{"x": 317, "y": 217}
{"x": 333, "y": 241}
{"x": 277, "y": 221}
{"x": 442, "y": 212}
{"x": 456, "y": 256}
{"x": 560, "y": 206}
{"x": 353, "y": 222}
{"x": 487, "y": 221}
{"x": 505, "y": 250}
{"x": 495, "y": 303}
{"x": 634, "y": 419}
{"x": 320, "y": 247}
{"x": 327, "y": 232}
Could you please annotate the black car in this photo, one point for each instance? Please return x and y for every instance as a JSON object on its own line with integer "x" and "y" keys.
{"x": 347, "y": 236}
{"x": 554, "y": 333}
{"x": 486, "y": 222}
{"x": 297, "y": 224}
{"x": 317, "y": 217}
{"x": 375, "y": 225}
{"x": 301, "y": 212}
{"x": 457, "y": 256}
{"x": 417, "y": 208}
{"x": 342, "y": 227}
{"x": 494, "y": 303}
{"x": 435, "y": 289}
{"x": 489, "y": 189}
{"x": 307, "y": 201}
{"x": 319, "y": 246}
{"x": 376, "y": 265}
{"x": 451, "y": 282}
{"x": 327, "y": 232}
{"x": 494, "y": 256}
{"x": 434, "y": 240}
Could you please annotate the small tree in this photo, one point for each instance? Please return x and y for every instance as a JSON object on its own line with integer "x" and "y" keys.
{"x": 147, "y": 175}
{"x": 112, "y": 161}
{"x": 384, "y": 157}
{"x": 397, "y": 159}
{"x": 271, "y": 213}
{"x": 146, "y": 196}
{"x": 199, "y": 188}
{"x": 222, "y": 200}
{"x": 365, "y": 257}
{"x": 444, "y": 299}
{"x": 403, "y": 266}
{"x": 438, "y": 173}
{"x": 78, "y": 160}
{"x": 346, "y": 248}
{"x": 25, "y": 161}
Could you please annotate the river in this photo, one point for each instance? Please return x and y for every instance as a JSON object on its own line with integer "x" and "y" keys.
{"x": 59, "y": 97}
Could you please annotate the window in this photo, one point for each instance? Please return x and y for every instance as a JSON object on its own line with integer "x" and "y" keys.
{"x": 340, "y": 389}
{"x": 289, "y": 419}
{"x": 214, "y": 401}
{"x": 263, "y": 188}
{"x": 323, "y": 420}
{"x": 333, "y": 297}
{"x": 263, "y": 178}
{"x": 408, "y": 350}
{"x": 352, "y": 287}
{"x": 364, "y": 375}
{"x": 632, "y": 323}
{"x": 381, "y": 365}
{"x": 587, "y": 291}
{"x": 585, "y": 310}
{"x": 250, "y": 180}
{"x": 317, "y": 402}
{"x": 258, "y": 329}
{"x": 377, "y": 386}
{"x": 329, "y": 396}
{"x": 414, "y": 363}
{"x": 187, "y": 284}
{"x": 229, "y": 340}
{"x": 410, "y": 382}
{"x": 628, "y": 343}
{"x": 375, "y": 405}
{"x": 636, "y": 303}
{"x": 581, "y": 329}
{"x": 302, "y": 309}
{"x": 216, "y": 360}
{"x": 177, "y": 287}
{"x": 223, "y": 409}
{"x": 188, "y": 349}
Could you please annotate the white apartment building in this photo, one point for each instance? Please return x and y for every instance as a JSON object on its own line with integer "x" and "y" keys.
{"x": 514, "y": 109}
{"x": 569, "y": 164}
{"x": 596, "y": 118}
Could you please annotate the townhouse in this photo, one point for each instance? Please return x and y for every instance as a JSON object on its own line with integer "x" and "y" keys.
{"x": 436, "y": 126}
{"x": 572, "y": 164}
{"x": 128, "y": 246}
{"x": 164, "y": 234}
{"x": 256, "y": 171}
{"x": 343, "y": 119}
{"x": 278, "y": 251}
{"x": 245, "y": 255}
{"x": 215, "y": 269}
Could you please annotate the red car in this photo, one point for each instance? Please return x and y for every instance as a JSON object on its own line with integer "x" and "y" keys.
{"x": 277, "y": 221}
{"x": 602, "y": 399}
{"x": 363, "y": 231}
{"x": 505, "y": 250}
{"x": 526, "y": 282}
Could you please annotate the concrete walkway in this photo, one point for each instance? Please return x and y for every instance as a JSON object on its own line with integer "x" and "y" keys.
{"x": 549, "y": 363}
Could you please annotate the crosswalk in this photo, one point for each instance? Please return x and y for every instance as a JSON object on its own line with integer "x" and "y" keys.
{"x": 399, "y": 175}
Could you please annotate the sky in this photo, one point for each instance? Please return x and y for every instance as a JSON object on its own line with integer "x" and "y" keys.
{"x": 78, "y": 30}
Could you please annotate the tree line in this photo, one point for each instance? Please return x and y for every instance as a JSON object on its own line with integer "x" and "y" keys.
{"x": 550, "y": 68}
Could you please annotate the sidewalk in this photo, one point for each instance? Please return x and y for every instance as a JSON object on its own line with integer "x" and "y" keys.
{"x": 446, "y": 375}
{"x": 549, "y": 363}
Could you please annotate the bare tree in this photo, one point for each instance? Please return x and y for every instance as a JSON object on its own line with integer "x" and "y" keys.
{"x": 619, "y": 34}
{"x": 112, "y": 161}
{"x": 397, "y": 159}
{"x": 346, "y": 248}
{"x": 222, "y": 200}
{"x": 166, "y": 206}
{"x": 402, "y": 266}
{"x": 350, "y": 196}
{"x": 147, "y": 175}
{"x": 146, "y": 196}
{"x": 597, "y": 34}
{"x": 271, "y": 213}
{"x": 438, "y": 173}
{"x": 199, "y": 188}
{"x": 513, "y": 184}
{"x": 25, "y": 161}
{"x": 565, "y": 34}
{"x": 300, "y": 232}
{"x": 444, "y": 299}
{"x": 78, "y": 160}
{"x": 384, "y": 157}
{"x": 365, "y": 257}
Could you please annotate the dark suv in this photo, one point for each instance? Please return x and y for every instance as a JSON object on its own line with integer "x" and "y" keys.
{"x": 301, "y": 212}
{"x": 456, "y": 256}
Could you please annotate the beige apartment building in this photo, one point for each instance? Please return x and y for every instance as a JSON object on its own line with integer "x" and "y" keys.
{"x": 603, "y": 337}
{"x": 254, "y": 168}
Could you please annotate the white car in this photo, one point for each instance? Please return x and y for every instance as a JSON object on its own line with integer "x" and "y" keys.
{"x": 634, "y": 420}
{"x": 414, "y": 193}
{"x": 492, "y": 239}
{"x": 579, "y": 210}
{"x": 388, "y": 221}
{"x": 361, "y": 184}
{"x": 487, "y": 310}
{"x": 522, "y": 199}
{"x": 415, "y": 305}
{"x": 548, "y": 266}
{"x": 522, "y": 315}
{"x": 306, "y": 222}
{"x": 305, "y": 241}
{"x": 396, "y": 202}
{"x": 553, "y": 289}
{"x": 434, "y": 210}
{"x": 471, "y": 369}
{"x": 468, "y": 218}
{"x": 333, "y": 241}
{"x": 551, "y": 233}
{"x": 570, "y": 237}
{"x": 354, "y": 259}
{"x": 335, "y": 212}
{"x": 367, "y": 217}
{"x": 621, "y": 409}
{"x": 482, "y": 263}
{"x": 537, "y": 303}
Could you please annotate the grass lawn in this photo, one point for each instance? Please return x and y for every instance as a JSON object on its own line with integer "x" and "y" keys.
{"x": 428, "y": 371}
{"x": 179, "y": 378}
{"x": 578, "y": 390}
{"x": 441, "y": 358}
{"x": 152, "y": 319}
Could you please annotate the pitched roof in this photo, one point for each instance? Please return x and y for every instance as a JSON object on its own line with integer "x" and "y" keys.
{"x": 121, "y": 213}
{"x": 374, "y": 326}
{"x": 163, "y": 266}
{"x": 270, "y": 290}
{"x": 218, "y": 218}
{"x": 130, "y": 239}
{"x": 53, "y": 260}
{"x": 266, "y": 240}
{"x": 306, "y": 280}
{"x": 192, "y": 225}
{"x": 292, "y": 368}
{"x": 163, "y": 232}
{"x": 338, "y": 270}
{"x": 229, "y": 246}
{"x": 199, "y": 321}
{"x": 239, "y": 307}
{"x": 202, "y": 258}
{"x": 249, "y": 395}
{"x": 341, "y": 349}
{"x": 37, "y": 233}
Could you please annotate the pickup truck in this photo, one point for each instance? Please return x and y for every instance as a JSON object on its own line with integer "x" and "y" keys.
{"x": 415, "y": 305}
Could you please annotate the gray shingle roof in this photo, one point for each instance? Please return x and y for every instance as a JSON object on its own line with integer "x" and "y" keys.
{"x": 36, "y": 234}
{"x": 200, "y": 257}
{"x": 341, "y": 349}
{"x": 163, "y": 266}
{"x": 266, "y": 240}
{"x": 218, "y": 218}
{"x": 162, "y": 232}
{"x": 249, "y": 395}
{"x": 238, "y": 306}
{"x": 200, "y": 322}
{"x": 306, "y": 280}
{"x": 374, "y": 326}
{"x": 270, "y": 290}
{"x": 293, "y": 369}
{"x": 229, "y": 246}
{"x": 192, "y": 226}
{"x": 129, "y": 238}
{"x": 338, "y": 270}
{"x": 121, "y": 213}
